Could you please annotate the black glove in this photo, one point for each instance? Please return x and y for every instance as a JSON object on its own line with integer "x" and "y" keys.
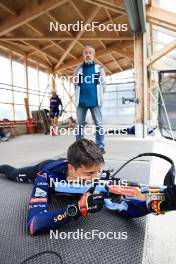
{"x": 90, "y": 203}
{"x": 170, "y": 196}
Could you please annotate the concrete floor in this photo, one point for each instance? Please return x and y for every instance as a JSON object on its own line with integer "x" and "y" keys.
{"x": 160, "y": 230}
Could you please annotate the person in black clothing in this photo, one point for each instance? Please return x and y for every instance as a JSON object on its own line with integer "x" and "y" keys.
{"x": 56, "y": 108}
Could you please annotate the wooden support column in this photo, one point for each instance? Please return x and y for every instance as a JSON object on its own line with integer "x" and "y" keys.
{"x": 138, "y": 63}
{"x": 38, "y": 83}
{"x": 149, "y": 54}
{"x": 27, "y": 87}
{"x": 53, "y": 84}
{"x": 70, "y": 98}
{"x": 145, "y": 86}
{"x": 12, "y": 83}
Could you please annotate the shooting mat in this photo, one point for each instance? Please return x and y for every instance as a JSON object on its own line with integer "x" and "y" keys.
{"x": 17, "y": 246}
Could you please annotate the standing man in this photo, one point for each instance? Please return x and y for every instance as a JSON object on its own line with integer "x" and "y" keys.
{"x": 89, "y": 89}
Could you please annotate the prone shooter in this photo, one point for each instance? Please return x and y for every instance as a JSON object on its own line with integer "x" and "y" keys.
{"x": 84, "y": 162}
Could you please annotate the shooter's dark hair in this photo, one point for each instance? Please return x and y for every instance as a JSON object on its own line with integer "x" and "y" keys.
{"x": 84, "y": 152}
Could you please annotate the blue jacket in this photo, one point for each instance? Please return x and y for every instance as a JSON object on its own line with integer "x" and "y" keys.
{"x": 100, "y": 76}
{"x": 55, "y": 102}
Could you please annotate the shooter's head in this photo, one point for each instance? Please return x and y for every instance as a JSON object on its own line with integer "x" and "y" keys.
{"x": 85, "y": 160}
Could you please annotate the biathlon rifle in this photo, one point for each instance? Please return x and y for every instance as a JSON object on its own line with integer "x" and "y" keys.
{"x": 115, "y": 189}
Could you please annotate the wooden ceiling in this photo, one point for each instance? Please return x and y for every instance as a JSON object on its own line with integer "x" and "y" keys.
{"x": 24, "y": 29}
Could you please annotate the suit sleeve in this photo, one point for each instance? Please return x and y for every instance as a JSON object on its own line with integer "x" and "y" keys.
{"x": 40, "y": 219}
{"x": 133, "y": 209}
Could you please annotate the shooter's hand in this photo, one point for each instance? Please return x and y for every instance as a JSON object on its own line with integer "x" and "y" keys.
{"x": 90, "y": 203}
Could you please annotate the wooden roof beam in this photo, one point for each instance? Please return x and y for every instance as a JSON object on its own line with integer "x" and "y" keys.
{"x": 111, "y": 19}
{"x": 77, "y": 9}
{"x": 150, "y": 2}
{"x": 64, "y": 38}
{"x": 162, "y": 66}
{"x": 117, "y": 63}
{"x": 44, "y": 53}
{"x": 159, "y": 16}
{"x": 106, "y": 5}
{"x": 34, "y": 29}
{"x": 91, "y": 17}
{"x": 52, "y": 41}
{"x": 55, "y": 20}
{"x": 117, "y": 4}
{"x": 67, "y": 32}
{"x": 163, "y": 25}
{"x": 59, "y": 47}
{"x": 9, "y": 8}
{"x": 101, "y": 52}
{"x": 83, "y": 18}
{"x": 164, "y": 30}
{"x": 30, "y": 13}
{"x": 22, "y": 54}
{"x": 35, "y": 51}
{"x": 161, "y": 53}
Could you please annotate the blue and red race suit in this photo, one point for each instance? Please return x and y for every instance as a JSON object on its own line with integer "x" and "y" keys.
{"x": 41, "y": 220}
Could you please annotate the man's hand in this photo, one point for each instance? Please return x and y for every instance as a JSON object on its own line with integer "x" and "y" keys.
{"x": 170, "y": 196}
{"x": 90, "y": 203}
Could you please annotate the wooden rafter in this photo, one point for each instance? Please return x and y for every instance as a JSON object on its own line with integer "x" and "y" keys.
{"x": 106, "y": 5}
{"x": 6, "y": 6}
{"x": 171, "y": 57}
{"x": 116, "y": 62}
{"x": 44, "y": 48}
{"x": 101, "y": 52}
{"x": 150, "y": 2}
{"x": 62, "y": 49}
{"x": 83, "y": 18}
{"x": 54, "y": 42}
{"x": 164, "y": 30}
{"x": 111, "y": 19}
{"x": 118, "y": 4}
{"x": 38, "y": 31}
{"x": 151, "y": 36}
{"x": 161, "y": 17}
{"x": 162, "y": 66}
{"x": 21, "y": 53}
{"x": 77, "y": 9}
{"x": 91, "y": 17}
{"x": 44, "y": 53}
{"x": 162, "y": 52}
{"x": 29, "y": 14}
{"x": 34, "y": 29}
{"x": 163, "y": 25}
{"x": 45, "y": 38}
{"x": 52, "y": 17}
{"x": 30, "y": 10}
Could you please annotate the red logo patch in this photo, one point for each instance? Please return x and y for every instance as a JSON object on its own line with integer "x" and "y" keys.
{"x": 125, "y": 190}
{"x": 39, "y": 200}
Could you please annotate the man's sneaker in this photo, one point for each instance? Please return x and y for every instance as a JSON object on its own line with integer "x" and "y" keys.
{"x": 102, "y": 150}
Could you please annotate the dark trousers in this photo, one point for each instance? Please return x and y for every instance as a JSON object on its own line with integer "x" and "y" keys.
{"x": 24, "y": 174}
